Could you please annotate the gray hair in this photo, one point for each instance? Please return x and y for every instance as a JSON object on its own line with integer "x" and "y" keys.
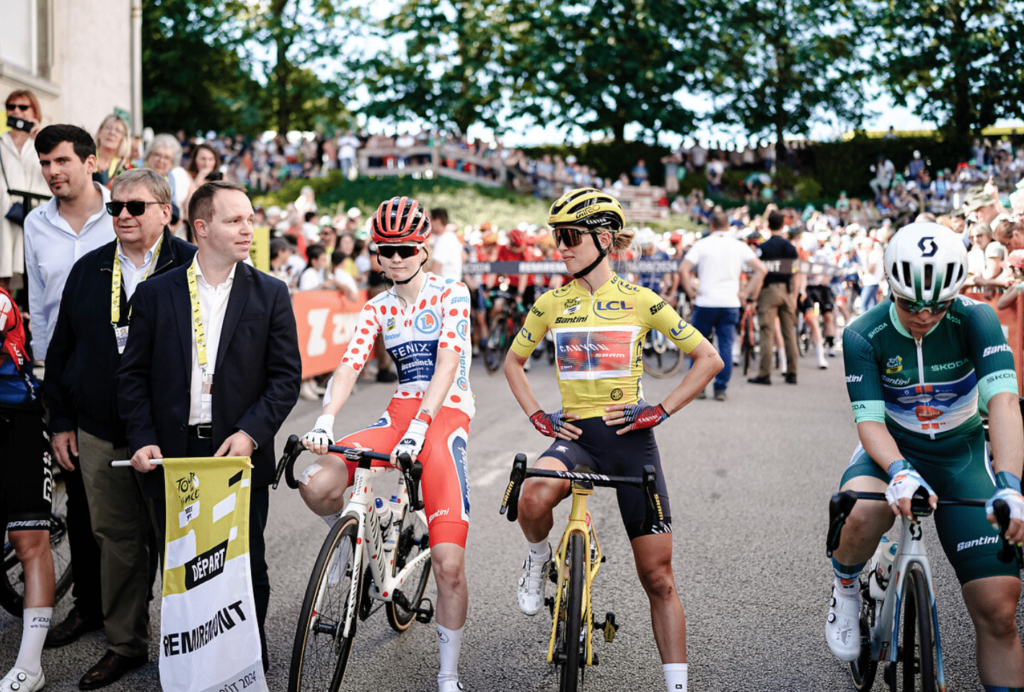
{"x": 165, "y": 141}
{"x": 144, "y": 177}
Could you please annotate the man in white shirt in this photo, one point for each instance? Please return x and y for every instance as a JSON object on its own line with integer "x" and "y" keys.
{"x": 448, "y": 251}
{"x": 67, "y": 227}
{"x": 347, "y": 146}
{"x": 719, "y": 260}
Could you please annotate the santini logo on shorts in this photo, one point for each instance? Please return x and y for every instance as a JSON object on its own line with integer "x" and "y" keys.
{"x": 984, "y": 540}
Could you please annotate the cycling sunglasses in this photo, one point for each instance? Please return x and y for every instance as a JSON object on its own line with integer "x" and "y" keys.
{"x": 569, "y": 237}
{"x": 23, "y": 107}
{"x": 403, "y": 251}
{"x": 135, "y": 208}
{"x": 914, "y": 307}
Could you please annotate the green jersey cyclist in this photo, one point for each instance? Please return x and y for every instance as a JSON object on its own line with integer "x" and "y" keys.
{"x": 918, "y": 369}
{"x": 599, "y": 323}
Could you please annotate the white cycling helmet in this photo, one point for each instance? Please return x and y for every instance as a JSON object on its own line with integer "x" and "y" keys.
{"x": 645, "y": 238}
{"x": 926, "y": 262}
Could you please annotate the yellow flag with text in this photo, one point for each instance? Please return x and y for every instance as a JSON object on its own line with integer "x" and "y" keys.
{"x": 209, "y": 640}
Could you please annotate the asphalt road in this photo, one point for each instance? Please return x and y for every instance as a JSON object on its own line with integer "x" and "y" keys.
{"x": 750, "y": 481}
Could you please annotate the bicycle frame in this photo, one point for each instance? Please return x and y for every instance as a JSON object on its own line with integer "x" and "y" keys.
{"x": 884, "y": 634}
{"x": 370, "y": 537}
{"x": 578, "y": 524}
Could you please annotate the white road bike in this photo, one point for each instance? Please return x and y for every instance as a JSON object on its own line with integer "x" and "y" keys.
{"x": 354, "y": 571}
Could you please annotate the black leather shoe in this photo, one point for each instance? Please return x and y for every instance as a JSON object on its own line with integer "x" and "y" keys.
{"x": 110, "y": 669}
{"x": 761, "y": 380}
{"x": 73, "y": 627}
{"x": 790, "y": 378}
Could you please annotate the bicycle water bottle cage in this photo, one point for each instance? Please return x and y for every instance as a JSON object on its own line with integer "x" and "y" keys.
{"x": 839, "y": 508}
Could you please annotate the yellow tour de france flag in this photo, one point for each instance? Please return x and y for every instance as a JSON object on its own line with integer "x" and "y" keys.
{"x": 209, "y": 641}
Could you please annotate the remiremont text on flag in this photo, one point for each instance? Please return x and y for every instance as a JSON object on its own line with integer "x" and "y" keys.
{"x": 209, "y": 641}
{"x": 637, "y": 267}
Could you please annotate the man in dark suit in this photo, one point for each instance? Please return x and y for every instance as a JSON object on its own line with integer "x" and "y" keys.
{"x": 212, "y": 365}
{"x": 82, "y": 359}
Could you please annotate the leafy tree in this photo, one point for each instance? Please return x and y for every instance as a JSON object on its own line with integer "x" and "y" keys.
{"x": 963, "y": 60}
{"x": 193, "y": 78}
{"x": 604, "y": 64}
{"x": 780, "y": 65}
{"x": 448, "y": 64}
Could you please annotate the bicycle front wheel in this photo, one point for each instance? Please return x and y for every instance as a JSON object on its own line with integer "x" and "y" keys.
{"x": 412, "y": 541}
{"x": 494, "y": 345}
{"x": 12, "y": 579}
{"x": 568, "y": 639}
{"x": 321, "y": 649}
{"x": 917, "y": 641}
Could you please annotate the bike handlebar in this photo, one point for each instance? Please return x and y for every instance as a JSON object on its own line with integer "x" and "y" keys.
{"x": 842, "y": 503}
{"x": 412, "y": 471}
{"x": 648, "y": 483}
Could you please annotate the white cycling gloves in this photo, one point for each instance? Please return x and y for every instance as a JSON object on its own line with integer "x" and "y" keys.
{"x": 322, "y": 434}
{"x": 905, "y": 482}
{"x": 412, "y": 441}
{"x": 1007, "y": 490}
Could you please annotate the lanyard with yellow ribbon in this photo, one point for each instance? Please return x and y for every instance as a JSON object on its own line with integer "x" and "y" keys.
{"x": 197, "y": 316}
{"x": 115, "y": 280}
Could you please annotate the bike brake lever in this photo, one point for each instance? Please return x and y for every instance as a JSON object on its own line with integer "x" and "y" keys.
{"x": 1007, "y": 551}
{"x": 510, "y": 503}
{"x": 413, "y": 471}
{"x": 286, "y": 465}
{"x": 839, "y": 508}
{"x": 652, "y": 502}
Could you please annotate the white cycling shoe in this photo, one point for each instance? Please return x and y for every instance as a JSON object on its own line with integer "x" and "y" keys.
{"x": 532, "y": 583}
{"x": 842, "y": 628}
{"x": 19, "y": 681}
{"x": 451, "y": 686}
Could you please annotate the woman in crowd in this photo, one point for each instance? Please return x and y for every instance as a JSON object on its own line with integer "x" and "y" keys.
{"x": 164, "y": 157}
{"x": 203, "y": 167}
{"x": 21, "y": 171}
{"x": 113, "y": 149}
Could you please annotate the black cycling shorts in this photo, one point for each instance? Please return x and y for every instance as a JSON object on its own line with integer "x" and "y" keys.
{"x": 603, "y": 451}
{"x": 823, "y": 296}
{"x": 26, "y": 472}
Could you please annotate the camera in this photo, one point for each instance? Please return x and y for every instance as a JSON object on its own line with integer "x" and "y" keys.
{"x": 20, "y": 124}
{"x": 216, "y": 175}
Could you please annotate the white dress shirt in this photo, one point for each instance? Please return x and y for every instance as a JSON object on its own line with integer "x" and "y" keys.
{"x": 719, "y": 260}
{"x": 131, "y": 275}
{"x": 213, "y": 305}
{"x": 51, "y": 249}
{"x": 448, "y": 254}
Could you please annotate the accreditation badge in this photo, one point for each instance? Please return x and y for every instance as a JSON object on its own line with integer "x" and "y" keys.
{"x": 121, "y": 334}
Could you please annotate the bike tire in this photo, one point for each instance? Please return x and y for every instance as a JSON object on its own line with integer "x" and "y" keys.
{"x": 495, "y": 344}
{"x": 12, "y": 579}
{"x": 747, "y": 345}
{"x": 320, "y": 653}
{"x": 663, "y": 362}
{"x": 917, "y": 643}
{"x": 864, "y": 668}
{"x": 568, "y": 647}
{"x": 412, "y": 541}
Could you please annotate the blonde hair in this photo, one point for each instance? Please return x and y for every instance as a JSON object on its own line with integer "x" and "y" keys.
{"x": 125, "y": 148}
{"x": 622, "y": 239}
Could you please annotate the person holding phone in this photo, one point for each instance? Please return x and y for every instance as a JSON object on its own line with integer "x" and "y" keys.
{"x": 21, "y": 171}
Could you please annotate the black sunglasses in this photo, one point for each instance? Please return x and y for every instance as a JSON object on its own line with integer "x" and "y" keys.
{"x": 403, "y": 251}
{"x": 569, "y": 237}
{"x": 18, "y": 107}
{"x": 135, "y": 208}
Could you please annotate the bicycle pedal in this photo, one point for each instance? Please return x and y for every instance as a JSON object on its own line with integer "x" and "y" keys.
{"x": 594, "y": 657}
{"x": 609, "y": 627}
{"x": 604, "y": 558}
{"x": 425, "y": 614}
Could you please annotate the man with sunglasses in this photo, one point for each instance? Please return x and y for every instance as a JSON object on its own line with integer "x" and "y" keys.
{"x": 90, "y": 335}
{"x": 919, "y": 368}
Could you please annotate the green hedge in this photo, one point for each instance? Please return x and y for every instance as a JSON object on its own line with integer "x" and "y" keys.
{"x": 611, "y": 159}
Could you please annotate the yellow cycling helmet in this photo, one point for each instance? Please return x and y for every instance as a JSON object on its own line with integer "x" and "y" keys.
{"x": 587, "y": 206}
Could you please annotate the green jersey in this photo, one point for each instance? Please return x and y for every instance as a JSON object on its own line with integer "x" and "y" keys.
{"x": 930, "y": 388}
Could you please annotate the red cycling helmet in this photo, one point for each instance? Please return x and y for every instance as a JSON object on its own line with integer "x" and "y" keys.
{"x": 517, "y": 237}
{"x": 400, "y": 220}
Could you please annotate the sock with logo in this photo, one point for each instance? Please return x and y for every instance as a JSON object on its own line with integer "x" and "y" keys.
{"x": 37, "y": 624}
{"x": 675, "y": 676}
{"x": 539, "y": 552}
{"x": 846, "y": 578}
{"x": 450, "y": 644}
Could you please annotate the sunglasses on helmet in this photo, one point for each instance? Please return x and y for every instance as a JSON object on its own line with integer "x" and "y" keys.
{"x": 403, "y": 251}
{"x": 915, "y": 307}
{"x": 135, "y": 208}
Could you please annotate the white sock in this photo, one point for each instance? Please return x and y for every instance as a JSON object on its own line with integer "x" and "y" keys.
{"x": 37, "y": 624}
{"x": 450, "y": 643}
{"x": 782, "y": 361}
{"x": 540, "y": 551}
{"x": 851, "y": 590}
{"x": 675, "y": 676}
{"x": 820, "y": 350}
{"x": 332, "y": 519}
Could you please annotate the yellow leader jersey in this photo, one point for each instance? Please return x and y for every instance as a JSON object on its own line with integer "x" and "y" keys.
{"x": 599, "y": 340}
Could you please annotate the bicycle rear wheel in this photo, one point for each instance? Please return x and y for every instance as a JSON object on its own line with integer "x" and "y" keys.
{"x": 568, "y": 640}
{"x": 321, "y": 649}
{"x": 662, "y": 358}
{"x": 917, "y": 641}
{"x": 495, "y": 343}
{"x": 412, "y": 541}
{"x": 863, "y": 669}
{"x": 12, "y": 579}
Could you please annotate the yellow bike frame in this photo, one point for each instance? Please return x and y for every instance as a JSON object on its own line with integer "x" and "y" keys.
{"x": 579, "y": 522}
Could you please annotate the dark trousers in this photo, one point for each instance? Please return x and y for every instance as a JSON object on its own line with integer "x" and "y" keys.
{"x": 721, "y": 321}
{"x": 259, "y": 508}
{"x": 85, "y": 552}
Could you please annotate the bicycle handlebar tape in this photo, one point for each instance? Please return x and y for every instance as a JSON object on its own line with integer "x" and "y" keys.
{"x": 292, "y": 450}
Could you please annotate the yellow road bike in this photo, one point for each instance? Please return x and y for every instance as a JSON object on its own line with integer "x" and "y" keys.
{"x": 576, "y": 563}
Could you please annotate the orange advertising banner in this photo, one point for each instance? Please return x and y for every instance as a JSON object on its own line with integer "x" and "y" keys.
{"x": 326, "y": 321}
{"x": 1012, "y": 321}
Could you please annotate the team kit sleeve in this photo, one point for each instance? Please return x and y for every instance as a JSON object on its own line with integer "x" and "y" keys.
{"x": 863, "y": 379}
{"x": 367, "y": 329}
{"x": 655, "y": 313}
{"x": 535, "y": 326}
{"x": 992, "y": 356}
{"x": 455, "y": 320}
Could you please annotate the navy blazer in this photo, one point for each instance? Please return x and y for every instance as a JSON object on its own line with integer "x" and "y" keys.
{"x": 256, "y": 376}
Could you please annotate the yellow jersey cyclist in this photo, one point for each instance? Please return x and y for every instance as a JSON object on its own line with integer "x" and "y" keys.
{"x": 599, "y": 322}
{"x": 918, "y": 369}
